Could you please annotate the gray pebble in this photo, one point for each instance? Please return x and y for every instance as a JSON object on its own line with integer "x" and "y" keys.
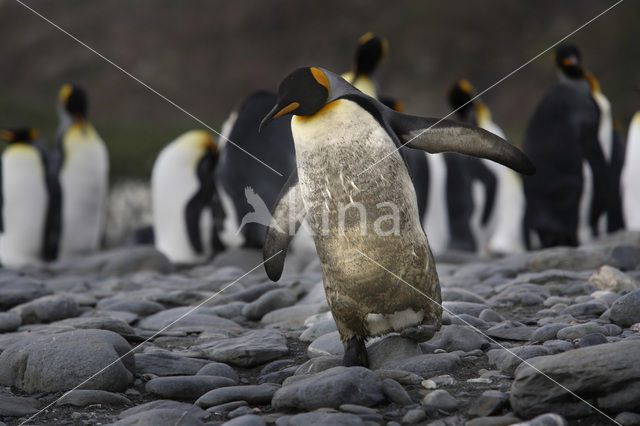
{"x": 9, "y": 321}
{"x": 270, "y": 301}
{"x": 218, "y": 369}
{"x": 440, "y": 399}
{"x": 591, "y": 340}
{"x": 186, "y": 387}
{"x": 414, "y": 416}
{"x": 628, "y": 418}
{"x": 395, "y": 392}
{"x": 626, "y": 310}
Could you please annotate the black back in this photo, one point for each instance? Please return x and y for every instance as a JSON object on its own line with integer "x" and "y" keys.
{"x": 237, "y": 170}
{"x": 561, "y": 134}
{"x": 615, "y": 217}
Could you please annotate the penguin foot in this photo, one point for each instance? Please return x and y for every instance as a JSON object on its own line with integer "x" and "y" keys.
{"x": 355, "y": 353}
{"x": 420, "y": 333}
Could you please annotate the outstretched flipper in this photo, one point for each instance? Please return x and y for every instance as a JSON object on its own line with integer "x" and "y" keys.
{"x": 435, "y": 136}
{"x": 287, "y": 215}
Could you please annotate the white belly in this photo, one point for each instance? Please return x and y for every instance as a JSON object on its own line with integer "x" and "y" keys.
{"x": 631, "y": 177}
{"x": 25, "y": 201}
{"x": 84, "y": 179}
{"x": 173, "y": 184}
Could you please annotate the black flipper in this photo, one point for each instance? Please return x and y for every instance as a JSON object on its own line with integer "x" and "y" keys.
{"x": 53, "y": 219}
{"x": 201, "y": 199}
{"x": 289, "y": 206}
{"x": 435, "y": 136}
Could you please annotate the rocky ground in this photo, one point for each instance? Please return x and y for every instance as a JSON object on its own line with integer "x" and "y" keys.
{"x": 262, "y": 353}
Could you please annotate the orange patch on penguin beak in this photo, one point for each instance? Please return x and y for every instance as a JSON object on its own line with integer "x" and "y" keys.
{"x": 289, "y": 108}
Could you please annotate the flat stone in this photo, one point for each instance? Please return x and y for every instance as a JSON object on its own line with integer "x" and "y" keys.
{"x": 142, "y": 308}
{"x": 427, "y": 365}
{"x": 98, "y": 323}
{"x": 413, "y": 416}
{"x": 508, "y": 360}
{"x": 330, "y": 388}
{"x": 192, "y": 322}
{"x": 85, "y": 397}
{"x": 580, "y": 330}
{"x": 327, "y": 344}
{"x": 489, "y": 315}
{"x": 47, "y": 309}
{"x": 292, "y": 316}
{"x": 510, "y": 330}
{"x": 115, "y": 262}
{"x": 168, "y": 364}
{"x": 612, "y": 279}
{"x": 557, "y": 346}
{"x": 402, "y": 377}
{"x": 179, "y": 407}
{"x": 454, "y": 294}
{"x": 252, "y": 394}
{"x": 547, "y": 332}
{"x": 160, "y": 416}
{"x": 270, "y": 301}
{"x": 586, "y": 310}
{"x": 249, "y": 350}
{"x": 462, "y": 338}
{"x": 395, "y": 392}
{"x": 626, "y": 310}
{"x": 186, "y": 387}
{"x": 321, "y": 363}
{"x": 440, "y": 399}
{"x": 62, "y": 361}
{"x": 587, "y": 372}
{"x": 9, "y": 322}
{"x": 16, "y": 290}
{"x": 318, "y": 329}
{"x": 493, "y": 421}
{"x": 390, "y": 349}
{"x": 457, "y": 308}
{"x": 219, "y": 369}
{"x": 15, "y": 406}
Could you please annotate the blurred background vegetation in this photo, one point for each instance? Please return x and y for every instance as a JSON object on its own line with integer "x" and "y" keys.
{"x": 208, "y": 55}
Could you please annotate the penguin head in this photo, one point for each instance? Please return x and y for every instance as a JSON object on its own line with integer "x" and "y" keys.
{"x": 303, "y": 92}
{"x": 73, "y": 100}
{"x": 20, "y": 135}
{"x": 569, "y": 61}
{"x": 461, "y": 96}
{"x": 371, "y": 49}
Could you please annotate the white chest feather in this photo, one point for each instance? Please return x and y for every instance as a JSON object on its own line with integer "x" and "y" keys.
{"x": 25, "y": 201}
{"x": 631, "y": 177}
{"x": 173, "y": 183}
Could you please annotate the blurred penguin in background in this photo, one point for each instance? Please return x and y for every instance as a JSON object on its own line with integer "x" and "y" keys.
{"x": 249, "y": 187}
{"x": 83, "y": 164}
{"x": 363, "y": 75}
{"x": 187, "y": 214}
{"x": 631, "y": 176}
{"x": 29, "y": 201}
{"x": 561, "y": 137}
{"x": 469, "y": 210}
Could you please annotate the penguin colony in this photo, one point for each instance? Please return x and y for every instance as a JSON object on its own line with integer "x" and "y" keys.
{"x": 336, "y": 140}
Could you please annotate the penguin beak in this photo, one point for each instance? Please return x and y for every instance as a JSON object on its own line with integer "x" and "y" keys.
{"x": 277, "y": 112}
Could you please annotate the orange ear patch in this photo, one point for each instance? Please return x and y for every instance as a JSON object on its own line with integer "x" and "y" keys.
{"x": 321, "y": 78}
{"x": 366, "y": 37}
{"x": 289, "y": 108}
{"x": 7, "y": 135}
{"x": 65, "y": 92}
{"x": 465, "y": 86}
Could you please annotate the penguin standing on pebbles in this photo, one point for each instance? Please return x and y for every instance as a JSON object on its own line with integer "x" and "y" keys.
{"x": 378, "y": 272}
{"x": 84, "y": 175}
{"x": 187, "y": 214}
{"x": 561, "y": 136}
{"x": 29, "y": 201}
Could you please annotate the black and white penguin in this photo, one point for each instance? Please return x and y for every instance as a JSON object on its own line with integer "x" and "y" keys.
{"x": 29, "y": 201}
{"x": 84, "y": 175}
{"x": 348, "y": 167}
{"x": 469, "y": 211}
{"x": 370, "y": 51}
{"x": 561, "y": 135}
{"x": 631, "y": 176}
{"x": 245, "y": 185}
{"x": 187, "y": 213}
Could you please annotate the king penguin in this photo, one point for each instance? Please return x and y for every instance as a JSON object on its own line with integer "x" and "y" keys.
{"x": 370, "y": 51}
{"x": 378, "y": 272}
{"x": 186, "y": 207}
{"x": 561, "y": 136}
{"x": 631, "y": 176}
{"x": 84, "y": 175}
{"x": 469, "y": 210}
{"x": 29, "y": 201}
